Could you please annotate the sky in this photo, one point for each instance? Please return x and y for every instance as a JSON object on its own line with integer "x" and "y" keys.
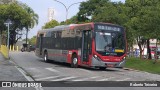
{"x": 41, "y": 8}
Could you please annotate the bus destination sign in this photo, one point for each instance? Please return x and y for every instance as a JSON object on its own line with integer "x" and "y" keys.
{"x": 102, "y": 27}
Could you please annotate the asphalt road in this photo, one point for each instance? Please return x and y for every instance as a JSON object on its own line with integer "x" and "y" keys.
{"x": 53, "y": 71}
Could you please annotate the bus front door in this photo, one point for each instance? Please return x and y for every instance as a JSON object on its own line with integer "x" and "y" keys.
{"x": 40, "y": 44}
{"x": 86, "y": 45}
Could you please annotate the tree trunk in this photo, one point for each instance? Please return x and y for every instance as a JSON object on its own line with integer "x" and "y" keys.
{"x": 155, "y": 56}
{"x": 148, "y": 49}
{"x": 26, "y": 35}
{"x": 140, "y": 48}
{"x": 12, "y": 39}
{"x": 0, "y": 38}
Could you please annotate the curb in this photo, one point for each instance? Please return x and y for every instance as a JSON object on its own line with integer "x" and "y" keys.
{"x": 27, "y": 76}
{"x": 130, "y": 69}
{"x": 4, "y": 56}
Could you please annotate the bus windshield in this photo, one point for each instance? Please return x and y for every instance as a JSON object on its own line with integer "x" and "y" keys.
{"x": 109, "y": 42}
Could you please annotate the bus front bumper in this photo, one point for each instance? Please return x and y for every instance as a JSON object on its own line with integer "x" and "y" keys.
{"x": 97, "y": 62}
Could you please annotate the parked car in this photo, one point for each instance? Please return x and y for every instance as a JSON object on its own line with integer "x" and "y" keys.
{"x": 31, "y": 48}
{"x": 28, "y": 48}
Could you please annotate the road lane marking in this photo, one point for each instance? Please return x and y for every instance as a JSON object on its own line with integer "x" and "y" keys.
{"x": 62, "y": 79}
{"x": 52, "y": 77}
{"x": 51, "y": 69}
{"x": 105, "y": 79}
{"x": 83, "y": 79}
{"x": 123, "y": 79}
{"x": 34, "y": 69}
{"x": 85, "y": 70}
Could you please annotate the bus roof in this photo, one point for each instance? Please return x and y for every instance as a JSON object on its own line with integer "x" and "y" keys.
{"x": 73, "y": 26}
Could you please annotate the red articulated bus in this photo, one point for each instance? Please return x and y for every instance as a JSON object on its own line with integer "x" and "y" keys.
{"x": 98, "y": 45}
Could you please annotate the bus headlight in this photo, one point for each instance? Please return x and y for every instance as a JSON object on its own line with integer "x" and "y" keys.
{"x": 124, "y": 58}
{"x": 97, "y": 58}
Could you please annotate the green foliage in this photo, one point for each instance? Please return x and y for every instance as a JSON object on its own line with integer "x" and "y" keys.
{"x": 87, "y": 9}
{"x": 50, "y": 24}
{"x": 33, "y": 17}
{"x": 111, "y": 13}
{"x": 20, "y": 16}
{"x": 73, "y": 20}
{"x": 32, "y": 41}
{"x": 144, "y": 17}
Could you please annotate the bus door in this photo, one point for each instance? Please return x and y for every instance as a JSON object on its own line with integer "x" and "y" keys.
{"x": 86, "y": 45}
{"x": 40, "y": 44}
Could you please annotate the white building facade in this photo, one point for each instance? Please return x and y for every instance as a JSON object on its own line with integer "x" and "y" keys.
{"x": 51, "y": 14}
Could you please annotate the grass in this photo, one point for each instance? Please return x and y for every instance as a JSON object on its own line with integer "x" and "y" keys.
{"x": 143, "y": 65}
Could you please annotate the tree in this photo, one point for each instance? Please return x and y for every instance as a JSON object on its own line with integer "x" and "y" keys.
{"x": 20, "y": 17}
{"x": 33, "y": 19}
{"x": 32, "y": 41}
{"x": 111, "y": 12}
{"x": 143, "y": 20}
{"x": 87, "y": 9}
{"x": 72, "y": 20}
{"x": 151, "y": 21}
{"x": 50, "y": 24}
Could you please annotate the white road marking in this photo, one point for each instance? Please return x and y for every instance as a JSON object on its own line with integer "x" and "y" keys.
{"x": 83, "y": 79}
{"x": 51, "y": 69}
{"x": 52, "y": 77}
{"x": 34, "y": 69}
{"x": 123, "y": 79}
{"x": 105, "y": 79}
{"x": 85, "y": 70}
{"x": 62, "y": 79}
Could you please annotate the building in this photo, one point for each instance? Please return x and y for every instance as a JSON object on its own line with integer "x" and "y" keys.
{"x": 50, "y": 14}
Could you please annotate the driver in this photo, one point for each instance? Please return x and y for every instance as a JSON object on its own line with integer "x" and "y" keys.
{"x": 108, "y": 48}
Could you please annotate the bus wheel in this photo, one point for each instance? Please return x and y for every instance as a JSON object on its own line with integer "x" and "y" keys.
{"x": 46, "y": 57}
{"x": 74, "y": 63}
{"x": 102, "y": 68}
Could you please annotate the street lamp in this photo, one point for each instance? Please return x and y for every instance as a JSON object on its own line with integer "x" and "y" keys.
{"x": 67, "y": 8}
{"x": 7, "y": 23}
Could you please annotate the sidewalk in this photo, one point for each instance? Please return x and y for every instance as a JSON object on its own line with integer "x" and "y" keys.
{"x": 8, "y": 71}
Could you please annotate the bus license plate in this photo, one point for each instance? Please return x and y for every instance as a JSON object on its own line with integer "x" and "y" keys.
{"x": 110, "y": 65}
